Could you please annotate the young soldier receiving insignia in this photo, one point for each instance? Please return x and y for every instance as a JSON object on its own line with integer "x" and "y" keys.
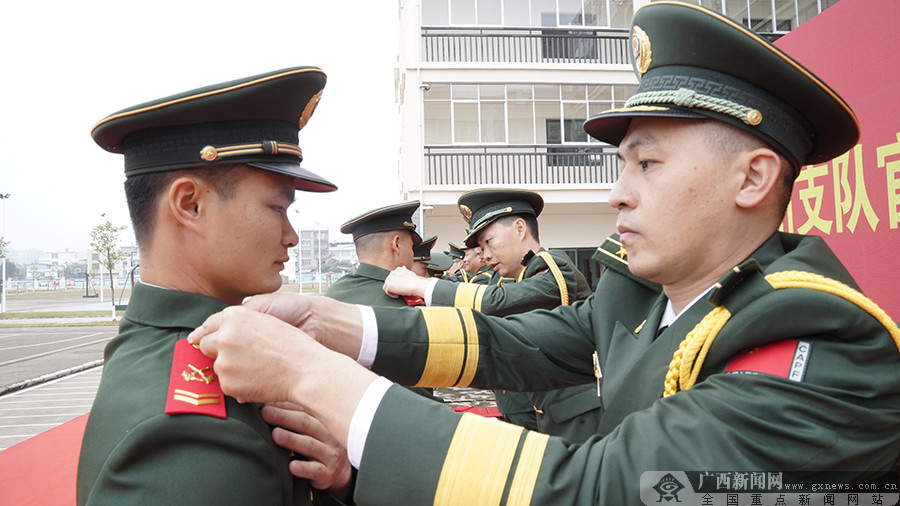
{"x": 760, "y": 354}
{"x": 385, "y": 239}
{"x": 504, "y": 225}
{"x": 210, "y": 174}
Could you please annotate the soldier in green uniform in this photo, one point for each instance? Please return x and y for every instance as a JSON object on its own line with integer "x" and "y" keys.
{"x": 384, "y": 239}
{"x": 202, "y": 168}
{"x": 504, "y": 225}
{"x": 422, "y": 256}
{"x": 474, "y": 265}
{"x": 456, "y": 272}
{"x": 472, "y": 268}
{"x": 760, "y": 354}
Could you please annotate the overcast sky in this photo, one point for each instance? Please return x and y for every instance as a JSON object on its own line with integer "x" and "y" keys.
{"x": 67, "y": 65}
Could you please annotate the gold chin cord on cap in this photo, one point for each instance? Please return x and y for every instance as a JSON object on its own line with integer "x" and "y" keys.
{"x": 214, "y": 153}
{"x": 684, "y": 97}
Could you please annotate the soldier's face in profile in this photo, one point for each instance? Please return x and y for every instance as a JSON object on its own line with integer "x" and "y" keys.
{"x": 420, "y": 268}
{"x": 473, "y": 260}
{"x": 249, "y": 235}
{"x": 501, "y": 248}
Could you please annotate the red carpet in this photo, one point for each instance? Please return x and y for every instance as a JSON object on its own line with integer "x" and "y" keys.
{"x": 41, "y": 470}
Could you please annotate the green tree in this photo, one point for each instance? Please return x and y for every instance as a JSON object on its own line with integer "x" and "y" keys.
{"x": 104, "y": 240}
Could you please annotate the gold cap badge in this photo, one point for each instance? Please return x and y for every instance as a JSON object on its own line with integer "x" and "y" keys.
{"x": 640, "y": 48}
{"x": 466, "y": 212}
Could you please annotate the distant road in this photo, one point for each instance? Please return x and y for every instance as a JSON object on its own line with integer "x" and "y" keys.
{"x": 31, "y": 352}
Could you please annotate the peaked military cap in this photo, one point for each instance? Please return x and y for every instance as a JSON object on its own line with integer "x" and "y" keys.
{"x": 439, "y": 263}
{"x": 422, "y": 251}
{"x": 455, "y": 251}
{"x": 694, "y": 63}
{"x": 393, "y": 217}
{"x": 253, "y": 121}
{"x": 483, "y": 207}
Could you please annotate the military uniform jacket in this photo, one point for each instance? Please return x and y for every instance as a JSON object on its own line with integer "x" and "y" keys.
{"x": 540, "y": 287}
{"x": 134, "y": 453}
{"x": 482, "y": 277}
{"x": 571, "y": 412}
{"x": 840, "y": 411}
{"x": 365, "y": 286}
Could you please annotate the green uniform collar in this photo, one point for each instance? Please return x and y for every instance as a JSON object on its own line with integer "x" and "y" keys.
{"x": 161, "y": 307}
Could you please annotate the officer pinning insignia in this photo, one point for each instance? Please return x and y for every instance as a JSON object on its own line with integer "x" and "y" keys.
{"x": 235, "y": 122}
{"x": 193, "y": 387}
{"x": 393, "y": 217}
{"x": 487, "y": 205}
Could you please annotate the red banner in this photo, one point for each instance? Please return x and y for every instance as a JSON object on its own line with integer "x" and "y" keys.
{"x": 854, "y": 200}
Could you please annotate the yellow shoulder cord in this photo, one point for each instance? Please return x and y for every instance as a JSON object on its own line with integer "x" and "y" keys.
{"x": 688, "y": 359}
{"x": 557, "y": 275}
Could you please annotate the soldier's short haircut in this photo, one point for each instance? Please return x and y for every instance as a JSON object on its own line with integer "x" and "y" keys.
{"x": 530, "y": 222}
{"x": 143, "y": 192}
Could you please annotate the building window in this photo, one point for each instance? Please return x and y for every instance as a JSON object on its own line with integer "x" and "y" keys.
{"x": 515, "y": 113}
{"x": 769, "y": 18}
{"x": 528, "y": 13}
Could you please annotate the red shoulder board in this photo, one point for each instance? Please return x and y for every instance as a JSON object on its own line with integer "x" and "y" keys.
{"x": 786, "y": 359}
{"x": 414, "y": 300}
{"x": 193, "y": 386}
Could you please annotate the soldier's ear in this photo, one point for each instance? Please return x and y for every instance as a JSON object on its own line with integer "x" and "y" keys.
{"x": 761, "y": 170}
{"x": 186, "y": 202}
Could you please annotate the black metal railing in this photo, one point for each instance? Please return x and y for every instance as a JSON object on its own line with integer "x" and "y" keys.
{"x": 525, "y": 45}
{"x": 520, "y": 165}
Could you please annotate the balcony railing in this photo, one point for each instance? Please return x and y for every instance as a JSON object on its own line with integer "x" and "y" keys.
{"x": 520, "y": 165}
{"x": 525, "y": 45}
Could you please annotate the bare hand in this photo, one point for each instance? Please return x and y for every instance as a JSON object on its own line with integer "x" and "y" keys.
{"x": 260, "y": 358}
{"x": 402, "y": 281}
{"x": 298, "y": 431}
{"x": 335, "y": 324}
{"x": 256, "y": 354}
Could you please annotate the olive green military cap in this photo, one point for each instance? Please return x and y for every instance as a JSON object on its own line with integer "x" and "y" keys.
{"x": 483, "y": 207}
{"x": 439, "y": 263}
{"x": 695, "y": 63}
{"x": 422, "y": 251}
{"x": 393, "y": 217}
{"x": 455, "y": 251}
{"x": 253, "y": 121}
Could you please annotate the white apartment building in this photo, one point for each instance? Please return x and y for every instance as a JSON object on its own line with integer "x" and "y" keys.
{"x": 493, "y": 93}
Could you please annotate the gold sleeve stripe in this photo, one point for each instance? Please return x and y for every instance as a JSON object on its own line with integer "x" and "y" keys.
{"x": 465, "y": 295}
{"x": 452, "y": 347}
{"x": 557, "y": 275}
{"x": 478, "y": 462}
{"x": 479, "y": 297}
{"x": 527, "y": 468}
{"x": 469, "y": 295}
{"x": 471, "y": 361}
